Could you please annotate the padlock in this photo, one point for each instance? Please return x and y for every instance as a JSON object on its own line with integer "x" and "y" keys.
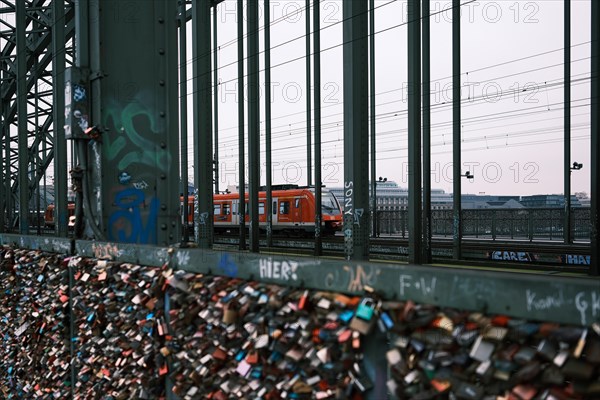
{"x": 230, "y": 313}
{"x": 363, "y": 320}
{"x": 366, "y": 308}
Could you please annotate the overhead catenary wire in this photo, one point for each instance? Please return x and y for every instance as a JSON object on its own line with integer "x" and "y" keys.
{"x": 285, "y": 131}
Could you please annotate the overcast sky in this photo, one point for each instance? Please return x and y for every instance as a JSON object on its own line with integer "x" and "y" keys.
{"x": 512, "y": 55}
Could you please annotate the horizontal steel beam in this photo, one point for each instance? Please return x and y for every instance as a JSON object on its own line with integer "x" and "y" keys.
{"x": 51, "y": 244}
{"x": 562, "y": 299}
{"x": 213, "y": 3}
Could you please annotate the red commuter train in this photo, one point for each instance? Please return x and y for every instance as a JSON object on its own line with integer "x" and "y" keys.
{"x": 293, "y": 212}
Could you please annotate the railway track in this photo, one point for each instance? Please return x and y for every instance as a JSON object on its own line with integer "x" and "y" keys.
{"x": 520, "y": 254}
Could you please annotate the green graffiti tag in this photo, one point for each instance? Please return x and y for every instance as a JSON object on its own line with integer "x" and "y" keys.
{"x": 127, "y": 124}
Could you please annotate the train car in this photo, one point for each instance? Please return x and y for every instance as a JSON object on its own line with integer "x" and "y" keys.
{"x": 293, "y": 212}
{"x": 49, "y": 215}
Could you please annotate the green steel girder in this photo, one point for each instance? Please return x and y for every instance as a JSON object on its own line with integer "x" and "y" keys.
{"x": 203, "y": 148}
{"x": 137, "y": 111}
{"x": 39, "y": 106}
{"x": 356, "y": 140}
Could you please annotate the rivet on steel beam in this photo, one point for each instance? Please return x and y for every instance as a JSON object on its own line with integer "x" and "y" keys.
{"x": 161, "y": 20}
{"x": 163, "y": 227}
{"x": 163, "y": 207}
{"x": 163, "y": 145}
{"x": 162, "y": 114}
{"x": 161, "y": 51}
{"x": 163, "y": 176}
{"x": 161, "y": 82}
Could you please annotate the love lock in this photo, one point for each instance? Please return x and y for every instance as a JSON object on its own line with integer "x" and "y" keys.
{"x": 363, "y": 320}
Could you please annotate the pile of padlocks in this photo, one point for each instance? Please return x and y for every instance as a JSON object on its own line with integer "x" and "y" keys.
{"x": 35, "y": 352}
{"x": 239, "y": 339}
{"x": 118, "y": 309}
{"x": 152, "y": 333}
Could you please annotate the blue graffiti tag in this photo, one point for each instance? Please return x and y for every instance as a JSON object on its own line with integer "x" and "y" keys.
{"x": 127, "y": 221}
{"x": 228, "y": 267}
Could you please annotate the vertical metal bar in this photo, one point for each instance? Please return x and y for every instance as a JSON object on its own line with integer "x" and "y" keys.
{"x": 317, "y": 102}
{"x": 253, "y": 122}
{"x": 567, "y": 121}
{"x": 269, "y": 208}
{"x": 3, "y": 155}
{"x": 216, "y": 98}
{"x": 595, "y": 141}
{"x": 82, "y": 57}
{"x": 60, "y": 146}
{"x": 7, "y": 166}
{"x": 308, "y": 100}
{"x": 372, "y": 116}
{"x": 203, "y": 126}
{"x": 22, "y": 119}
{"x": 494, "y": 225}
{"x": 456, "y": 148}
{"x": 183, "y": 120}
{"x": 92, "y": 170}
{"x": 530, "y": 225}
{"x": 356, "y": 137}
{"x": 36, "y": 160}
{"x": 426, "y": 250}
{"x": 414, "y": 132}
{"x": 242, "y": 161}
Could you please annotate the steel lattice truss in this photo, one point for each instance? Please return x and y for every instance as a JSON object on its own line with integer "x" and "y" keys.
{"x": 32, "y": 85}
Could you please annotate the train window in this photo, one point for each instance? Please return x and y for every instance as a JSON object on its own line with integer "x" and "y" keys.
{"x": 217, "y": 209}
{"x": 284, "y": 207}
{"x": 226, "y": 209}
{"x": 274, "y": 207}
{"x": 261, "y": 208}
{"x": 297, "y": 203}
{"x": 329, "y": 204}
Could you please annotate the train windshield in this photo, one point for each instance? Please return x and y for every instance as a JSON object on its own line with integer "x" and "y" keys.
{"x": 329, "y": 204}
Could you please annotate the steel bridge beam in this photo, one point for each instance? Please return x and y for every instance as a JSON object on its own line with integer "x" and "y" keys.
{"x": 595, "y": 141}
{"x": 203, "y": 154}
{"x": 567, "y": 122}
{"x": 317, "y": 103}
{"x": 183, "y": 104}
{"x": 356, "y": 133}
{"x": 138, "y": 122}
{"x": 59, "y": 144}
{"x": 456, "y": 132}
{"x": 241, "y": 132}
{"x": 426, "y": 247}
{"x": 253, "y": 122}
{"x": 22, "y": 118}
{"x": 414, "y": 132}
{"x": 269, "y": 172}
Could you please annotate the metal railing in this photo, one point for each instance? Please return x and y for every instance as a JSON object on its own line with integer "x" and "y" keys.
{"x": 521, "y": 224}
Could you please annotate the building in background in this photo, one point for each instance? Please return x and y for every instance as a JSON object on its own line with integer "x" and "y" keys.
{"x": 391, "y": 197}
